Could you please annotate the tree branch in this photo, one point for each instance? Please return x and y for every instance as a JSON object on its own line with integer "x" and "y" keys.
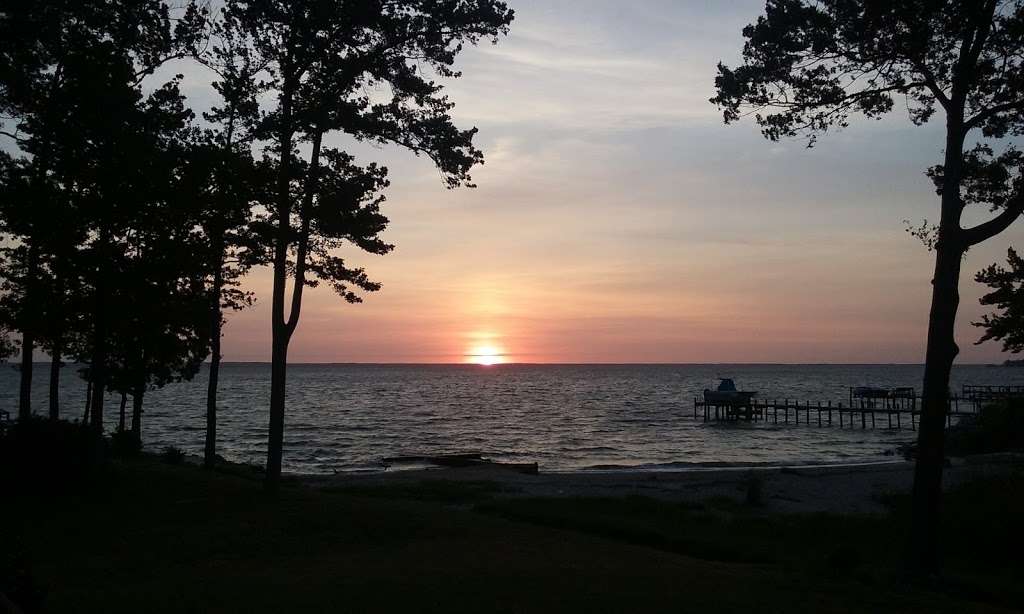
{"x": 148, "y": 71}
{"x": 975, "y": 121}
{"x": 989, "y": 229}
{"x": 931, "y": 84}
{"x": 305, "y": 214}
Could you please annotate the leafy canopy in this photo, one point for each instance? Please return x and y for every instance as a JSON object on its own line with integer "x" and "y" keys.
{"x": 1007, "y": 295}
{"x": 809, "y": 65}
{"x": 365, "y": 69}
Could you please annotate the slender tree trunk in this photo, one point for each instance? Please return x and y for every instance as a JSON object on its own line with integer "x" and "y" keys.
{"x": 120, "y": 415}
{"x": 88, "y": 402}
{"x": 40, "y": 163}
{"x": 138, "y": 392}
{"x": 55, "y": 366}
{"x": 57, "y": 343}
{"x": 98, "y": 366}
{"x": 137, "y": 396}
{"x": 98, "y": 386}
{"x": 210, "y": 449}
{"x": 283, "y": 328}
{"x": 278, "y": 325}
{"x": 940, "y": 354}
{"x": 27, "y": 334}
{"x": 278, "y": 368}
{"x": 942, "y": 350}
{"x": 278, "y": 376}
{"x": 25, "y": 390}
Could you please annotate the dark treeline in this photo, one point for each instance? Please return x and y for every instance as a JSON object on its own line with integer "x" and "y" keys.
{"x": 128, "y": 220}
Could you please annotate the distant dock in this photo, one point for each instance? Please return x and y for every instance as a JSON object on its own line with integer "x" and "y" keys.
{"x": 866, "y": 408}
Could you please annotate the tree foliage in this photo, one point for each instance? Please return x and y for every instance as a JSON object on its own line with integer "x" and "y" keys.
{"x": 320, "y": 60}
{"x": 809, "y": 66}
{"x": 95, "y": 149}
{"x": 1007, "y": 296}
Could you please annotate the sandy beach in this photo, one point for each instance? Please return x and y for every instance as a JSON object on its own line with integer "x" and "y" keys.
{"x": 859, "y": 488}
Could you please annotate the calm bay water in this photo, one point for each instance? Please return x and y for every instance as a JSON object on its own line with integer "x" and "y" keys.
{"x": 565, "y": 417}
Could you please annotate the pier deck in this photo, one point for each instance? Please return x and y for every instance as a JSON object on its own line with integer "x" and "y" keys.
{"x": 863, "y": 415}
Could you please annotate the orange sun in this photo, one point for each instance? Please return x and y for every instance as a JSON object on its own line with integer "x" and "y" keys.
{"x": 486, "y": 355}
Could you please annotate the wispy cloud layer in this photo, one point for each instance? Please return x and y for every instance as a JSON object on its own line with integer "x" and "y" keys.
{"x": 618, "y": 220}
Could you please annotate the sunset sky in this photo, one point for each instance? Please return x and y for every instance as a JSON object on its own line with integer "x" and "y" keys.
{"x": 618, "y": 220}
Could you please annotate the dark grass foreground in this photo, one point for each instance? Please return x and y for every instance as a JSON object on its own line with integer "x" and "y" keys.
{"x": 151, "y": 537}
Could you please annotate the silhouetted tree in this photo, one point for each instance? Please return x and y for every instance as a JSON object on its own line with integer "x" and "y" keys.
{"x": 27, "y": 33}
{"x": 64, "y": 321}
{"x": 1007, "y": 296}
{"x": 221, "y": 182}
{"x": 160, "y": 332}
{"x": 133, "y": 194}
{"x": 809, "y": 65}
{"x": 24, "y": 196}
{"x": 320, "y": 59}
{"x": 225, "y": 182}
{"x": 43, "y": 305}
{"x": 51, "y": 55}
{"x": 81, "y": 120}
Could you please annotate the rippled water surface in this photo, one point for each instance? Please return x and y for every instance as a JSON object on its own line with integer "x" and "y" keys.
{"x": 565, "y": 417}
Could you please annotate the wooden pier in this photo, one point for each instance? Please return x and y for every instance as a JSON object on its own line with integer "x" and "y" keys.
{"x": 991, "y": 393}
{"x": 891, "y": 415}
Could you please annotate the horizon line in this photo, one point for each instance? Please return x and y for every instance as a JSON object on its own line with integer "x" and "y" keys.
{"x": 14, "y": 364}
{"x": 571, "y": 364}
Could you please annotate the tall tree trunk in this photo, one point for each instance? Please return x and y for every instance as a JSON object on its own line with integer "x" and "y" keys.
{"x": 40, "y": 164}
{"x": 138, "y": 393}
{"x": 98, "y": 364}
{"x": 278, "y": 325}
{"x": 56, "y": 342}
{"x": 278, "y": 376}
{"x": 278, "y": 362}
{"x": 98, "y": 373}
{"x": 120, "y": 415}
{"x": 942, "y": 350}
{"x": 88, "y": 402}
{"x": 137, "y": 397}
{"x": 940, "y": 354}
{"x": 55, "y": 366}
{"x": 210, "y": 449}
{"x": 282, "y": 328}
{"x": 25, "y": 385}
{"x": 27, "y": 334}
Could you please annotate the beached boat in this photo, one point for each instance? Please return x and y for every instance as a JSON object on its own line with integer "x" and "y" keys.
{"x": 727, "y": 394}
{"x": 456, "y": 461}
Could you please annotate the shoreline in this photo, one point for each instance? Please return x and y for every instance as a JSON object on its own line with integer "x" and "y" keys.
{"x": 846, "y": 488}
{"x": 895, "y": 457}
{"x": 681, "y": 467}
{"x": 890, "y": 456}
